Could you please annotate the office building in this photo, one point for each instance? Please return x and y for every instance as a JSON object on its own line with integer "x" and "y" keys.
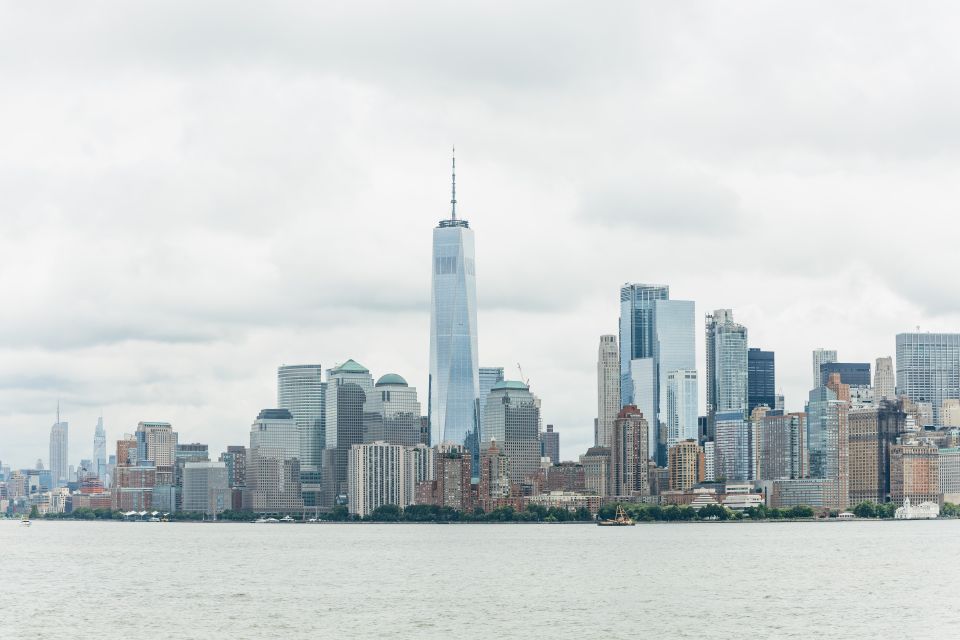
{"x": 512, "y": 419}
{"x": 377, "y": 476}
{"x": 451, "y": 484}
{"x": 302, "y": 392}
{"x": 494, "y": 486}
{"x": 914, "y": 473}
{"x": 761, "y": 379}
{"x": 349, "y": 387}
{"x": 733, "y": 453}
{"x": 657, "y": 337}
{"x": 133, "y": 486}
{"x": 884, "y": 381}
{"x": 392, "y": 412}
{"x": 454, "y": 382}
{"x": 629, "y": 454}
{"x": 235, "y": 461}
{"x": 854, "y": 374}
{"x": 821, "y": 357}
{"x": 873, "y": 431}
{"x": 686, "y": 465}
{"x": 778, "y": 444}
{"x": 59, "y": 453}
{"x": 596, "y": 470}
{"x": 205, "y": 487}
{"x": 949, "y": 468}
{"x": 100, "y": 451}
{"x": 828, "y": 437}
{"x": 273, "y": 464}
{"x": 608, "y": 389}
{"x": 489, "y": 376}
{"x": 727, "y": 374}
{"x": 928, "y": 368}
{"x": 550, "y": 445}
{"x": 681, "y": 409}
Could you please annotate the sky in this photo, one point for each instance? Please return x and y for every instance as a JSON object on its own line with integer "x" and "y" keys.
{"x": 192, "y": 194}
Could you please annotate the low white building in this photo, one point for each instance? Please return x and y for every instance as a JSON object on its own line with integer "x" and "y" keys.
{"x": 922, "y": 511}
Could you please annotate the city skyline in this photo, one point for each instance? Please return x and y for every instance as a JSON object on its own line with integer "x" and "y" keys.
{"x": 298, "y": 231}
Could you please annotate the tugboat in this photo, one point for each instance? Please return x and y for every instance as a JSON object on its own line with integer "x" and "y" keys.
{"x": 620, "y": 520}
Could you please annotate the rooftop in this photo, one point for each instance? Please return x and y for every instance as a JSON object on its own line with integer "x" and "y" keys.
{"x": 351, "y": 366}
{"x": 510, "y": 384}
{"x": 391, "y": 378}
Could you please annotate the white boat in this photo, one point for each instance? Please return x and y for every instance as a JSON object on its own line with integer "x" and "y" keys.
{"x": 286, "y": 519}
{"x": 265, "y": 521}
{"x": 24, "y": 521}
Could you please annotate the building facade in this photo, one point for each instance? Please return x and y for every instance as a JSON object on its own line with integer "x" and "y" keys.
{"x": 733, "y": 452}
{"x": 377, "y": 476}
{"x": 512, "y": 419}
{"x": 761, "y": 379}
{"x": 820, "y": 357}
{"x": 608, "y": 389}
{"x": 682, "y": 410}
{"x": 392, "y": 412}
{"x": 59, "y": 453}
{"x": 596, "y": 470}
{"x": 686, "y": 465}
{"x": 914, "y": 473}
{"x": 302, "y": 391}
{"x": 780, "y": 451}
{"x": 349, "y": 386}
{"x": 205, "y": 488}
{"x": 928, "y": 368}
{"x": 873, "y": 431}
{"x": 629, "y": 454}
{"x": 727, "y": 374}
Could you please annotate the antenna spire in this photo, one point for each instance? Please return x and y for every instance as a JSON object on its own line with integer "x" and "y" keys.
{"x": 58, "y": 411}
{"x": 453, "y": 185}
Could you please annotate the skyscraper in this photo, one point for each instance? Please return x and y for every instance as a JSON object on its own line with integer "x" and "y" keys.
{"x": 779, "y": 444}
{"x": 349, "y": 386}
{"x": 100, "y": 450}
{"x": 377, "y": 476}
{"x": 273, "y": 465}
{"x": 301, "y": 391}
{"x": 550, "y": 444}
{"x": 682, "y": 411}
{"x": 454, "y": 383}
{"x": 608, "y": 389}
{"x": 821, "y": 356}
{"x": 884, "y": 383}
{"x": 928, "y": 368}
{"x": 59, "y": 452}
{"x": 828, "y": 438}
{"x": 489, "y": 376}
{"x": 656, "y": 337}
{"x": 629, "y": 455}
{"x": 392, "y": 412}
{"x": 512, "y": 419}
{"x": 855, "y": 374}
{"x": 761, "y": 379}
{"x": 727, "y": 373}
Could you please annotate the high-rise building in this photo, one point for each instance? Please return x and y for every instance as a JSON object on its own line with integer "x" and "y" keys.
{"x": 629, "y": 454}
{"x": 828, "y": 438}
{"x": 392, "y": 412}
{"x": 59, "y": 452}
{"x": 235, "y": 461}
{"x": 596, "y": 470}
{"x": 686, "y": 465}
{"x": 512, "y": 419}
{"x": 884, "y": 382}
{"x": 205, "y": 487}
{"x": 451, "y": 484}
{"x": 855, "y": 374}
{"x": 727, "y": 374}
{"x": 733, "y": 453}
{"x": 608, "y": 389}
{"x": 100, "y": 450}
{"x": 376, "y": 476}
{"x": 489, "y": 376}
{"x": 779, "y": 444}
{"x": 494, "y": 486}
{"x": 761, "y": 379}
{"x": 914, "y": 473}
{"x": 302, "y": 392}
{"x": 928, "y": 368}
{"x": 657, "y": 337}
{"x": 682, "y": 411}
{"x": 273, "y": 464}
{"x": 821, "y": 356}
{"x": 949, "y": 466}
{"x": 950, "y": 413}
{"x": 872, "y": 431}
{"x": 454, "y": 383}
{"x": 349, "y": 386}
{"x": 550, "y": 445}
{"x": 157, "y": 442}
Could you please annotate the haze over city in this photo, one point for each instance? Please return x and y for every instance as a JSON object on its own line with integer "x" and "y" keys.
{"x": 189, "y": 201}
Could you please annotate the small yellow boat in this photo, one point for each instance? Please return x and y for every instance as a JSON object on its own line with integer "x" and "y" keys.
{"x": 620, "y": 520}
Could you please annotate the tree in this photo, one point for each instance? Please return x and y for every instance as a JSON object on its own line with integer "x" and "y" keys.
{"x": 386, "y": 513}
{"x": 339, "y": 513}
{"x": 865, "y": 509}
{"x": 34, "y": 512}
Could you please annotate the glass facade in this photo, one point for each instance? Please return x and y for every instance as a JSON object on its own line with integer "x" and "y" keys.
{"x": 682, "y": 406}
{"x": 928, "y": 368}
{"x": 761, "y": 379}
{"x": 608, "y": 390}
{"x": 855, "y": 374}
{"x": 349, "y": 386}
{"x": 512, "y": 419}
{"x": 301, "y": 390}
{"x": 392, "y": 413}
{"x": 727, "y": 371}
{"x": 454, "y": 383}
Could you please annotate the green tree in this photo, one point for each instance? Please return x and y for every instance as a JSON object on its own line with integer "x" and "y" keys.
{"x": 34, "y": 512}
{"x": 386, "y": 513}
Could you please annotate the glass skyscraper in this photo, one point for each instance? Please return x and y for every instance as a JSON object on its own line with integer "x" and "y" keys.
{"x": 761, "y": 379}
{"x": 349, "y": 388}
{"x": 656, "y": 338}
{"x": 727, "y": 373}
{"x": 301, "y": 391}
{"x": 454, "y": 383}
{"x": 928, "y": 368}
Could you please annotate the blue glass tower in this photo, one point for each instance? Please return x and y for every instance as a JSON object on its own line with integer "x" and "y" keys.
{"x": 454, "y": 383}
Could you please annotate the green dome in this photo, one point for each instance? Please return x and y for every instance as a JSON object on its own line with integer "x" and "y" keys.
{"x": 391, "y": 378}
{"x": 351, "y": 366}
{"x": 510, "y": 384}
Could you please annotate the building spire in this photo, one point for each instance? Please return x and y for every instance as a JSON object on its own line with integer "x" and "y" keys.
{"x": 58, "y": 411}
{"x": 453, "y": 185}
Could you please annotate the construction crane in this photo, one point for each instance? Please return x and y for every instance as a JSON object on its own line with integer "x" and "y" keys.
{"x": 523, "y": 379}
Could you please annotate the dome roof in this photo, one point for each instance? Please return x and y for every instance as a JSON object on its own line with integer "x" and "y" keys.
{"x": 510, "y": 384}
{"x": 391, "y": 378}
{"x": 351, "y": 366}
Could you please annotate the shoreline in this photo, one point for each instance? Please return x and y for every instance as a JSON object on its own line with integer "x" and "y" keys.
{"x": 482, "y": 523}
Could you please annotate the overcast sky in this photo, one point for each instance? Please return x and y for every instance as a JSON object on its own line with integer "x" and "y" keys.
{"x": 191, "y": 196}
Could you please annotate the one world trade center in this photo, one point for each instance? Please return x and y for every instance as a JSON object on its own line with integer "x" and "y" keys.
{"x": 454, "y": 372}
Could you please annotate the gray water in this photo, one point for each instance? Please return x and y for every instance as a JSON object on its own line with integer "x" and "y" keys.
{"x": 704, "y": 580}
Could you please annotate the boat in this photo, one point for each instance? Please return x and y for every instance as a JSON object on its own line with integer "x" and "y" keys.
{"x": 620, "y": 520}
{"x": 24, "y": 521}
{"x": 287, "y": 519}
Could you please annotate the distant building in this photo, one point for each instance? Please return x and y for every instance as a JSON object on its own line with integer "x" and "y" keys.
{"x": 451, "y": 486}
{"x": 761, "y": 379}
{"x": 855, "y": 374}
{"x": 489, "y": 376}
{"x": 686, "y": 465}
{"x": 821, "y": 357}
{"x": 59, "y": 453}
{"x": 872, "y": 432}
{"x": 819, "y": 493}
{"x": 302, "y": 391}
{"x": 235, "y": 461}
{"x": 914, "y": 473}
{"x": 733, "y": 454}
{"x": 377, "y": 476}
{"x": 709, "y": 461}
{"x": 550, "y": 440}
{"x": 629, "y": 454}
{"x": 828, "y": 432}
{"x": 950, "y": 413}
{"x": 884, "y": 380}
{"x": 133, "y": 486}
{"x": 682, "y": 406}
{"x": 779, "y": 444}
{"x": 596, "y": 470}
{"x": 608, "y": 389}
{"x": 928, "y": 368}
{"x": 494, "y": 486}
{"x": 566, "y": 476}
{"x": 205, "y": 488}
{"x": 100, "y": 450}
{"x": 949, "y": 469}
{"x": 727, "y": 374}
{"x": 392, "y": 412}
{"x": 512, "y": 418}
{"x": 273, "y": 465}
{"x": 349, "y": 386}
